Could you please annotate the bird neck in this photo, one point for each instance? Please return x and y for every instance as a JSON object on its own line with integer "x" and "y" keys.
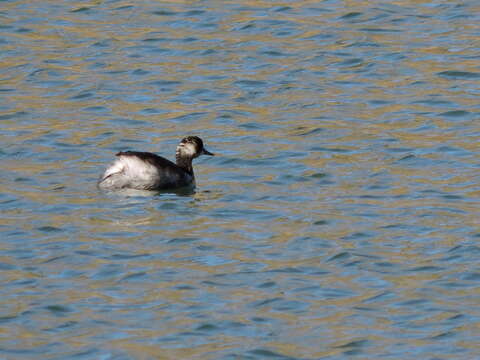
{"x": 185, "y": 162}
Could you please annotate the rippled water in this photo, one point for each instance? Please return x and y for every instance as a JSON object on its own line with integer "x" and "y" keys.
{"x": 340, "y": 219}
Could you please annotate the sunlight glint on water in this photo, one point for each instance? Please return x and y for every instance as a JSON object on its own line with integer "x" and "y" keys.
{"x": 339, "y": 218}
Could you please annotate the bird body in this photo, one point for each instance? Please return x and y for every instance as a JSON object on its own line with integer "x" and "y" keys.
{"x": 148, "y": 171}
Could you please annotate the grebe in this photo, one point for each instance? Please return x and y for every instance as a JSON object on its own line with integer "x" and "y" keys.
{"x": 148, "y": 171}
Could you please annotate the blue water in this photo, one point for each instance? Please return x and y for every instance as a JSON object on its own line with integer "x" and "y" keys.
{"x": 338, "y": 220}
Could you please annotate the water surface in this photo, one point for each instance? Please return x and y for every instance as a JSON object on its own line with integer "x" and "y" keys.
{"x": 338, "y": 220}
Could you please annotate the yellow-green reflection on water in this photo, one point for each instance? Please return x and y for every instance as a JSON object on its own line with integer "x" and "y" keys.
{"x": 339, "y": 220}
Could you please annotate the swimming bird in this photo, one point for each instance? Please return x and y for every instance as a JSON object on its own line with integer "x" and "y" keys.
{"x": 148, "y": 171}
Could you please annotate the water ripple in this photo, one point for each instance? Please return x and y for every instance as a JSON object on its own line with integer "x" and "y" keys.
{"x": 342, "y": 200}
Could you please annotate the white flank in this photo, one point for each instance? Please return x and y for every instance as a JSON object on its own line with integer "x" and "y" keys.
{"x": 129, "y": 171}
